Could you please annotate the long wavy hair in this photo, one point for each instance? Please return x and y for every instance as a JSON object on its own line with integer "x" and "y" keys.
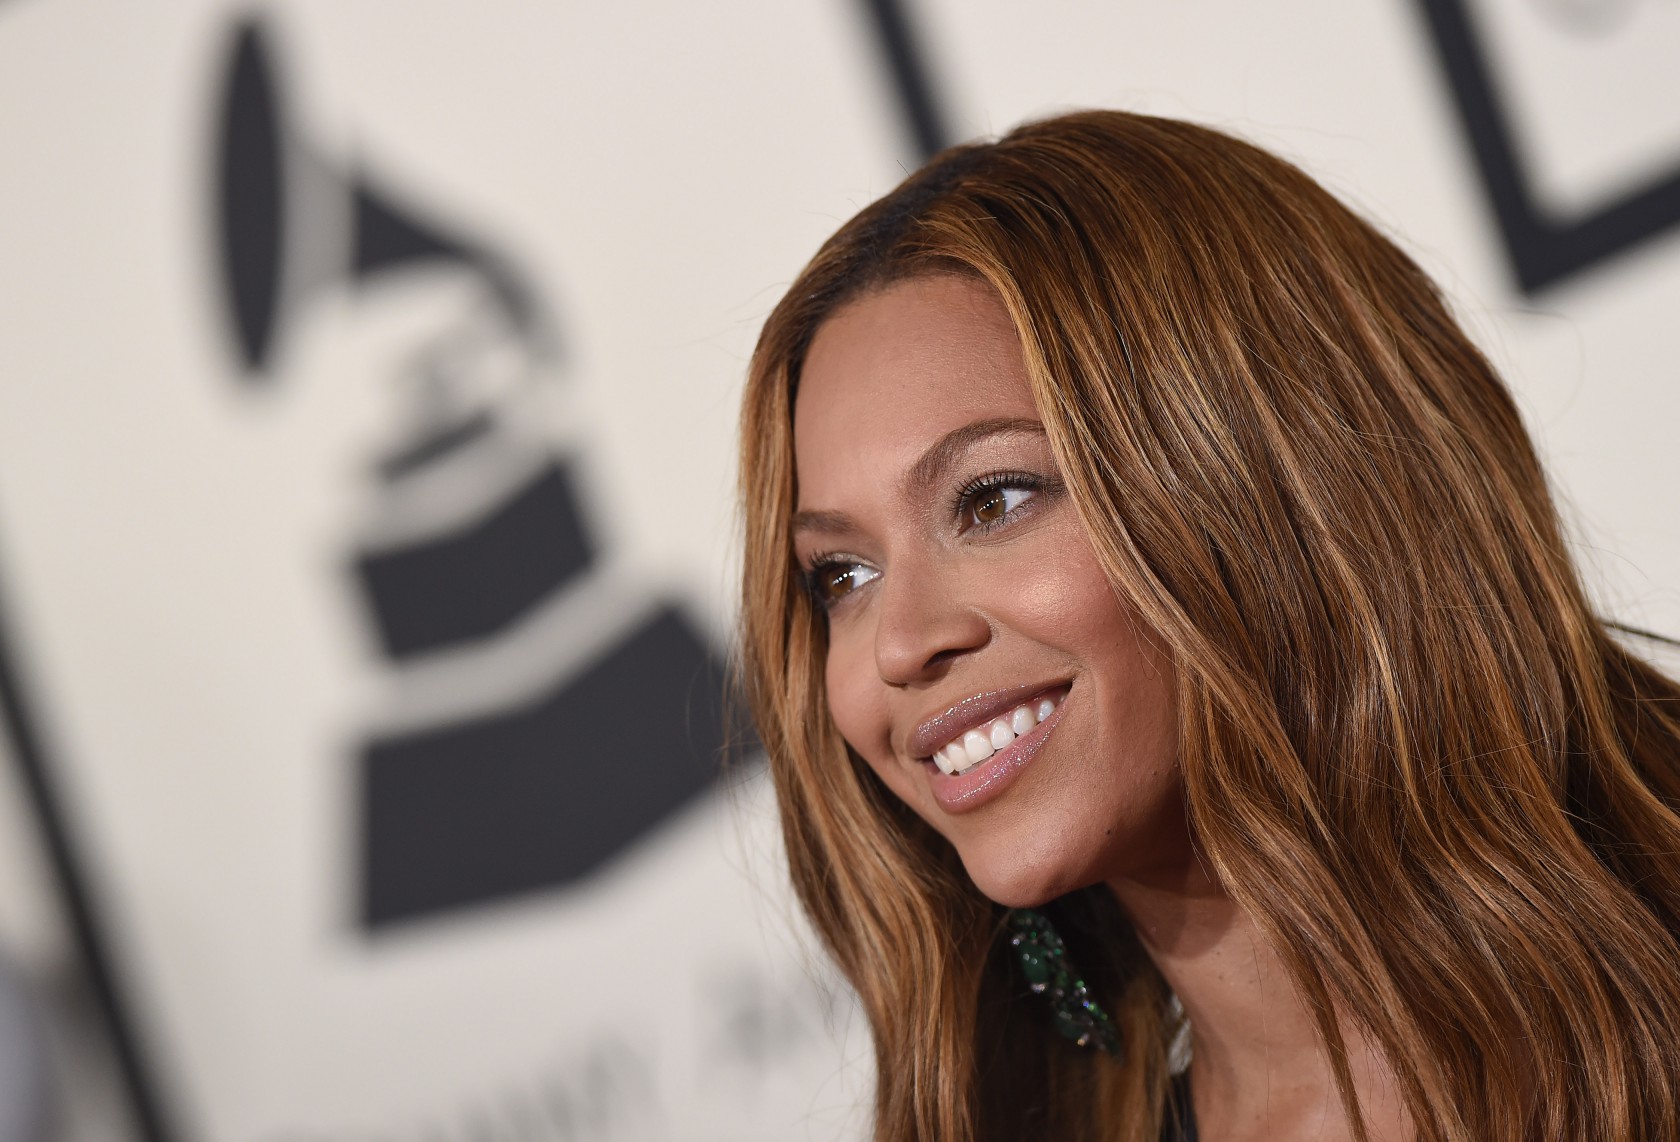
{"x": 1409, "y": 748}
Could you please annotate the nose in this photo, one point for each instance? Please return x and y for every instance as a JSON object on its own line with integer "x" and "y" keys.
{"x": 924, "y": 625}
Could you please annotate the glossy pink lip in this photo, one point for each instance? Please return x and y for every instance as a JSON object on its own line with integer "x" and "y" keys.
{"x": 971, "y": 713}
{"x": 966, "y": 791}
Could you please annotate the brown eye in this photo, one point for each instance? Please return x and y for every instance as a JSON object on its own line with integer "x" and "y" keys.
{"x": 836, "y": 582}
{"x": 832, "y": 582}
{"x": 990, "y": 507}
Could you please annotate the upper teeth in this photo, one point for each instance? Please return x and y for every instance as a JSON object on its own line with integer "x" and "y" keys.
{"x": 981, "y": 742}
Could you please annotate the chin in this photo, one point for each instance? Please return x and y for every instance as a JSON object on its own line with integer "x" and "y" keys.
{"x": 1023, "y": 879}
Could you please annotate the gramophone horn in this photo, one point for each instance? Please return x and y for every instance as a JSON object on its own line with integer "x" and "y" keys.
{"x": 280, "y": 201}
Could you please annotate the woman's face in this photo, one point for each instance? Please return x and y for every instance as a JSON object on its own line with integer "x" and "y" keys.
{"x": 965, "y": 604}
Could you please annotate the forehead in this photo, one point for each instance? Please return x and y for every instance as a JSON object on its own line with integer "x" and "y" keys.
{"x": 895, "y": 370}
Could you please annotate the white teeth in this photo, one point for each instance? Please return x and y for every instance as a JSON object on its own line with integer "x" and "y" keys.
{"x": 980, "y": 743}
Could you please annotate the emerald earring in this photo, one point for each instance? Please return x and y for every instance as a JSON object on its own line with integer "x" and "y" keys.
{"x": 1044, "y": 961}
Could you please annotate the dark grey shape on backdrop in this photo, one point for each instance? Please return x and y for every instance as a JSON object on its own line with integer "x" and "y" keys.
{"x": 541, "y": 796}
{"x": 467, "y": 585}
{"x": 256, "y": 150}
{"x": 901, "y": 49}
{"x": 435, "y": 446}
{"x": 252, "y": 206}
{"x": 475, "y": 584}
{"x": 1543, "y": 251}
{"x": 388, "y": 236}
{"x": 97, "y": 952}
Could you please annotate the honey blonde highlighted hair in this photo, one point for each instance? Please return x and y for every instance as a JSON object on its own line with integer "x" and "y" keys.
{"x": 1410, "y": 750}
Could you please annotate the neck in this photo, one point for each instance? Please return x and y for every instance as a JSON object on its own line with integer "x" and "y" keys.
{"x": 1259, "y": 1068}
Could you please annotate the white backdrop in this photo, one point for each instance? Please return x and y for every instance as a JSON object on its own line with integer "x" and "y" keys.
{"x": 201, "y": 664}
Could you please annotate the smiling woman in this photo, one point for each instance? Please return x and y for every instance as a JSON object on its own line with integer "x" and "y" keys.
{"x": 963, "y": 599}
{"x": 1131, "y": 534}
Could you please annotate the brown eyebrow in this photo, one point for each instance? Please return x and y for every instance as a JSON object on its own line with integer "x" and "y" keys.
{"x": 928, "y": 468}
{"x": 835, "y": 523}
{"x": 945, "y": 451}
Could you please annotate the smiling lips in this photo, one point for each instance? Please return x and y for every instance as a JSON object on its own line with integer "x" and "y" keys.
{"x": 971, "y": 747}
{"x": 966, "y": 765}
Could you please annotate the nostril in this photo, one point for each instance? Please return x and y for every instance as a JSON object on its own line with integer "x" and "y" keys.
{"x": 943, "y": 657}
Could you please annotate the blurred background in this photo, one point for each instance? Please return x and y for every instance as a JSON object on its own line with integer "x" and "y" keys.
{"x": 368, "y": 373}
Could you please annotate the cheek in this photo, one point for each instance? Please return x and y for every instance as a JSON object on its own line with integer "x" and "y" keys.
{"x": 1127, "y": 738}
{"x": 856, "y": 701}
{"x": 1063, "y": 601}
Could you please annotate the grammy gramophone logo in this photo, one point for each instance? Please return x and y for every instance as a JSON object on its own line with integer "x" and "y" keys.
{"x": 553, "y": 725}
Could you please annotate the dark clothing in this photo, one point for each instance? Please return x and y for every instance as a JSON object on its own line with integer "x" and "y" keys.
{"x": 1180, "y": 1125}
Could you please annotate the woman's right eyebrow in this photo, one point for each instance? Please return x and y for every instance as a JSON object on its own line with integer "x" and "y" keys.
{"x": 948, "y": 449}
{"x": 926, "y": 471}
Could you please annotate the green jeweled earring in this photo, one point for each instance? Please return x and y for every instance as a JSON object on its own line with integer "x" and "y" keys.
{"x": 1044, "y": 961}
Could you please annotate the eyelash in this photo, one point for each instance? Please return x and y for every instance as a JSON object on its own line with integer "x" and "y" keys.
{"x": 826, "y": 564}
{"x": 971, "y": 493}
{"x": 823, "y": 567}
